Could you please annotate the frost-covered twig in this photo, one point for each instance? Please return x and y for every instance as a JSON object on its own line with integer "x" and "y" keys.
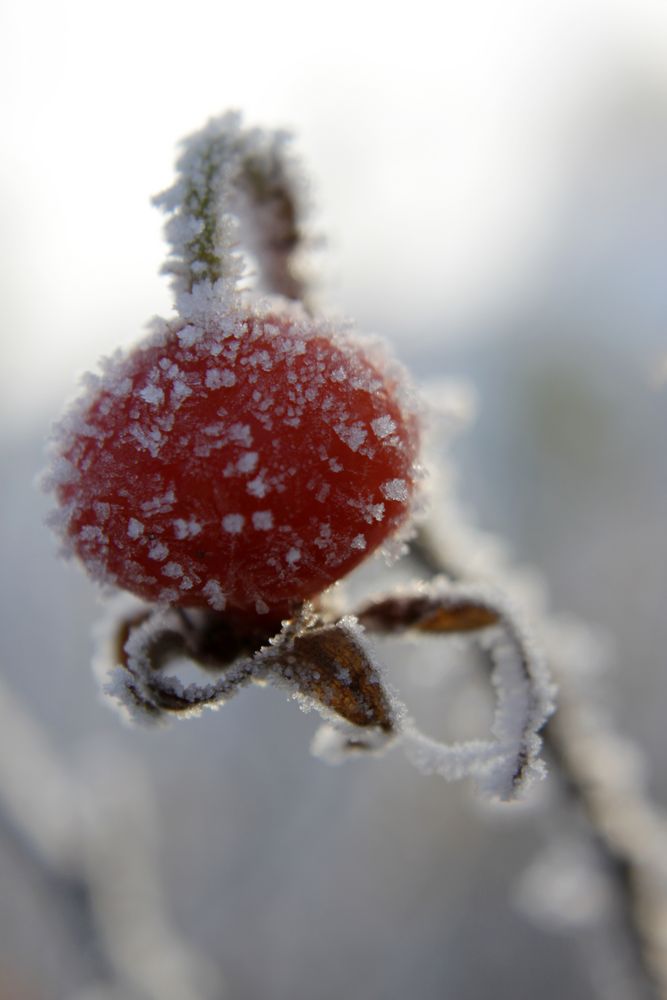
{"x": 598, "y": 770}
{"x": 89, "y": 843}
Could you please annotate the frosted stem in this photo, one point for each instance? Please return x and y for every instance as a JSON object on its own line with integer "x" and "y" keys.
{"x": 237, "y": 191}
{"x": 628, "y": 833}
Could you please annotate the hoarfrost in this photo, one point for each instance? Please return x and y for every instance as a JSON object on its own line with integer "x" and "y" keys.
{"x": 135, "y": 529}
{"x": 257, "y": 487}
{"x": 152, "y": 394}
{"x": 503, "y": 765}
{"x": 215, "y": 595}
{"x": 247, "y": 462}
{"x": 233, "y": 523}
{"x": 383, "y": 426}
{"x": 352, "y": 435}
{"x": 160, "y": 504}
{"x": 102, "y": 510}
{"x": 395, "y": 489}
{"x": 158, "y": 551}
{"x": 217, "y": 378}
{"x": 241, "y": 434}
{"x": 186, "y": 529}
{"x": 173, "y": 570}
{"x": 262, "y": 520}
{"x": 189, "y": 335}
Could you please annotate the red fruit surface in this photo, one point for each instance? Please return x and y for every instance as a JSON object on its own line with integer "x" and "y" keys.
{"x": 245, "y": 470}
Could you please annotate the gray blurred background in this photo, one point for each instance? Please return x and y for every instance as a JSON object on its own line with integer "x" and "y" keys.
{"x": 492, "y": 183}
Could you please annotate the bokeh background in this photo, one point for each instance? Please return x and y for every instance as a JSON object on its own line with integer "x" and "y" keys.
{"x": 491, "y": 181}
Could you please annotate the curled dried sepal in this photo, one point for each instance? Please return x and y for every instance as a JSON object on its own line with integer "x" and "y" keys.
{"x": 329, "y": 666}
{"x": 137, "y": 649}
{"x": 326, "y": 666}
{"x": 524, "y": 694}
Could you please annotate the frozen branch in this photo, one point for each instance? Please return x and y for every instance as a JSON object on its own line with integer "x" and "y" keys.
{"x": 597, "y": 770}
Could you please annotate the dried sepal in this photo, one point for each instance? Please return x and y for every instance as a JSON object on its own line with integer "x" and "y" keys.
{"x": 428, "y": 608}
{"x": 524, "y": 696}
{"x": 138, "y": 648}
{"x": 325, "y": 665}
{"x": 331, "y": 665}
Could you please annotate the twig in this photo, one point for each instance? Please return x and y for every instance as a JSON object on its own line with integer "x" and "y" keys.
{"x": 629, "y": 835}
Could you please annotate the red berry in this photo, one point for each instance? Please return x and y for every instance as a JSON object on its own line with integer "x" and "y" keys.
{"x": 245, "y": 470}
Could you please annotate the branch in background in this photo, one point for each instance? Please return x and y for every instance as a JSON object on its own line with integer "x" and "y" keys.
{"x": 597, "y": 769}
{"x": 91, "y": 842}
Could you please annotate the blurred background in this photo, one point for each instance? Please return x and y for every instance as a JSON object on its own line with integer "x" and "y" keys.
{"x": 491, "y": 183}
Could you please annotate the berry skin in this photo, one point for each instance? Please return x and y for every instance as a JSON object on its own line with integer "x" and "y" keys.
{"x": 243, "y": 469}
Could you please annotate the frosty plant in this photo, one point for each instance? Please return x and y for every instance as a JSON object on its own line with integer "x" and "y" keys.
{"x": 244, "y": 457}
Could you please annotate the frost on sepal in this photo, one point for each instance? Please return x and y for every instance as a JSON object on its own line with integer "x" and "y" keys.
{"x": 236, "y": 187}
{"x": 136, "y": 644}
{"x": 506, "y": 764}
{"x": 322, "y": 665}
{"x": 336, "y": 742}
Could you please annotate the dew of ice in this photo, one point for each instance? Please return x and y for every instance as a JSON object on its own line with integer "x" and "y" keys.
{"x": 262, "y": 520}
{"x": 293, "y": 556}
{"x": 181, "y": 390}
{"x": 374, "y": 512}
{"x": 353, "y": 436}
{"x": 219, "y": 378}
{"x": 241, "y": 434}
{"x": 383, "y": 426}
{"x": 189, "y": 335}
{"x": 214, "y": 594}
{"x": 261, "y": 607}
{"x": 102, "y": 510}
{"x": 395, "y": 489}
{"x": 257, "y": 487}
{"x": 186, "y": 529}
{"x": 135, "y": 529}
{"x": 159, "y": 504}
{"x": 358, "y": 542}
{"x": 233, "y": 523}
{"x": 91, "y": 533}
{"x": 247, "y": 462}
{"x": 173, "y": 570}
{"x": 151, "y": 441}
{"x": 152, "y": 394}
{"x": 158, "y": 551}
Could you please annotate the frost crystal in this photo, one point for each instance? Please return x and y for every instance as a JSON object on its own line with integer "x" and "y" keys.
{"x": 395, "y": 489}
{"x": 262, "y": 520}
{"x": 233, "y": 523}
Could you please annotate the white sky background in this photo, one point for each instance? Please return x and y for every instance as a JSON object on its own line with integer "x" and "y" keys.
{"x": 439, "y": 137}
